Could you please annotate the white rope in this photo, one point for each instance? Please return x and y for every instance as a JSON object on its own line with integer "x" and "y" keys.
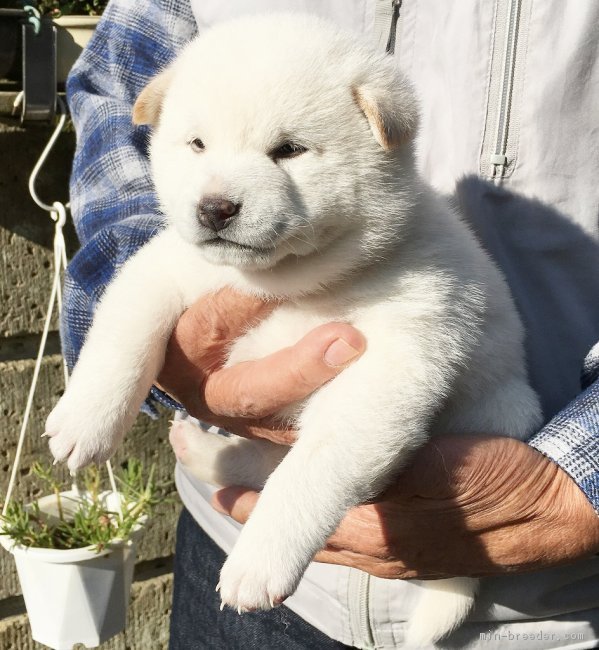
{"x": 36, "y": 372}
{"x": 60, "y": 262}
{"x": 113, "y": 487}
{"x": 58, "y": 213}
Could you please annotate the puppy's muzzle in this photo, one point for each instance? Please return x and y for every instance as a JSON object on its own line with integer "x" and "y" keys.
{"x": 217, "y": 212}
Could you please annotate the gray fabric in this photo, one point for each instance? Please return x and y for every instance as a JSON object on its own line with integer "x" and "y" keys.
{"x": 541, "y": 223}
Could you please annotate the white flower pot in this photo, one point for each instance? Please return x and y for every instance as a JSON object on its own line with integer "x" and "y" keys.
{"x": 75, "y": 596}
{"x": 72, "y": 35}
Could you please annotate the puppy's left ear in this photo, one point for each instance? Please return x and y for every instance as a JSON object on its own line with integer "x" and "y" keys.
{"x": 390, "y": 106}
{"x": 148, "y": 105}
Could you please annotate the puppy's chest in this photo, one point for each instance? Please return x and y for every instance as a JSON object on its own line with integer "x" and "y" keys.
{"x": 283, "y": 328}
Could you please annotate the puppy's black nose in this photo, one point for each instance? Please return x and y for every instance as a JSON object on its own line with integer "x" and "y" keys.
{"x": 216, "y": 212}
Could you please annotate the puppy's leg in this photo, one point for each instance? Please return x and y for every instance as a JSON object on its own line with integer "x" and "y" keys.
{"x": 300, "y": 506}
{"x": 224, "y": 460}
{"x": 351, "y": 444}
{"x": 345, "y": 455}
{"x": 443, "y": 606}
{"x": 122, "y": 355}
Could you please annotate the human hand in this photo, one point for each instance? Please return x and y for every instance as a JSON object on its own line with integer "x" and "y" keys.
{"x": 243, "y": 398}
{"x": 468, "y": 506}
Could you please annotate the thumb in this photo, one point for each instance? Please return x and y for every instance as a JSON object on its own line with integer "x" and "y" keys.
{"x": 236, "y": 501}
{"x": 257, "y": 389}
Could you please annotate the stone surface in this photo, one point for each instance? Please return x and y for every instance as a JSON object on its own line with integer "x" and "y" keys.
{"x": 7, "y": 98}
{"x": 147, "y": 621}
{"x": 26, "y": 231}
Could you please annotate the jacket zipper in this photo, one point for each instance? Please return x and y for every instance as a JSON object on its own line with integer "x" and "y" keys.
{"x": 365, "y": 626}
{"x": 499, "y": 158}
{"x": 387, "y": 13}
{"x": 391, "y": 40}
{"x": 359, "y": 609}
{"x": 386, "y": 22}
{"x": 500, "y": 140}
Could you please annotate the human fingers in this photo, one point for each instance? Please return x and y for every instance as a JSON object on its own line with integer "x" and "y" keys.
{"x": 388, "y": 568}
{"x": 235, "y": 501}
{"x": 258, "y": 389}
{"x": 342, "y": 548}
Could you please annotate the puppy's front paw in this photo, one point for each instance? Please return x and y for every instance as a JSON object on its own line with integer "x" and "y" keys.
{"x": 256, "y": 581}
{"x": 83, "y": 431}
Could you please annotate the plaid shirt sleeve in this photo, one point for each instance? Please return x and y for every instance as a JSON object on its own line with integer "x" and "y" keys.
{"x": 571, "y": 438}
{"x": 112, "y": 199}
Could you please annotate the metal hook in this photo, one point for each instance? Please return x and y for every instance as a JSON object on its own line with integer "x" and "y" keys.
{"x": 62, "y": 109}
{"x": 31, "y": 13}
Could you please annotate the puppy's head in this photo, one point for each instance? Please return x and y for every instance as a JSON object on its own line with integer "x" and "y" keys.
{"x": 280, "y": 137}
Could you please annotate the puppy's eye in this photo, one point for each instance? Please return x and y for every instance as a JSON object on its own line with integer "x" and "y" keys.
{"x": 196, "y": 145}
{"x": 287, "y": 150}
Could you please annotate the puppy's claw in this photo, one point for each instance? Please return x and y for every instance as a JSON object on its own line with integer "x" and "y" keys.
{"x": 217, "y": 588}
{"x": 45, "y": 435}
{"x": 222, "y": 605}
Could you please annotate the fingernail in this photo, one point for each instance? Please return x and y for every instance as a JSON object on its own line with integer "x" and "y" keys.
{"x": 339, "y": 353}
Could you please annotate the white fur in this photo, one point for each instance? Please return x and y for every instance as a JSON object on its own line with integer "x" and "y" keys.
{"x": 347, "y": 231}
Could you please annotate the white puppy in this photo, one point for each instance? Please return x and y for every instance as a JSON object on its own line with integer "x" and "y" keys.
{"x": 283, "y": 157}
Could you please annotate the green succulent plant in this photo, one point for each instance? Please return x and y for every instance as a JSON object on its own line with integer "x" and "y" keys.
{"x": 87, "y": 521}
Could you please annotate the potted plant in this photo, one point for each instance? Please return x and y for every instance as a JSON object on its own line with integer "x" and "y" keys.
{"x": 75, "y": 552}
{"x": 75, "y": 21}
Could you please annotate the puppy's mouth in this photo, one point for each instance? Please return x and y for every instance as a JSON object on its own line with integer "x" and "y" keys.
{"x": 227, "y": 244}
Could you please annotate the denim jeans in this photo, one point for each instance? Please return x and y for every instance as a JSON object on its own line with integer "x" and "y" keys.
{"x": 197, "y": 622}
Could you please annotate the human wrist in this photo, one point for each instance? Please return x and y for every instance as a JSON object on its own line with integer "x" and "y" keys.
{"x": 572, "y": 513}
{"x": 559, "y": 525}
{"x": 527, "y": 512}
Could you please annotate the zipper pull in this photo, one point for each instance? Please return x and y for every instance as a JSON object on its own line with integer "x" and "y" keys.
{"x": 498, "y": 159}
{"x": 499, "y": 162}
{"x": 396, "y": 4}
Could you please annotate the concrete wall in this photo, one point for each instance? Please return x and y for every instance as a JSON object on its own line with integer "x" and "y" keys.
{"x": 25, "y": 278}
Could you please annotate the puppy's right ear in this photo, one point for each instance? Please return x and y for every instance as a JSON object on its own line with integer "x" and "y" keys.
{"x": 389, "y": 104}
{"x": 148, "y": 105}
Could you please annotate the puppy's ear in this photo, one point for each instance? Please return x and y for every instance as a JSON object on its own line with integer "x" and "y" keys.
{"x": 390, "y": 108}
{"x": 148, "y": 105}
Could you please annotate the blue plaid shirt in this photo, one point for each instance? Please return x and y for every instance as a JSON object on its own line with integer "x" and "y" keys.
{"x": 115, "y": 208}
